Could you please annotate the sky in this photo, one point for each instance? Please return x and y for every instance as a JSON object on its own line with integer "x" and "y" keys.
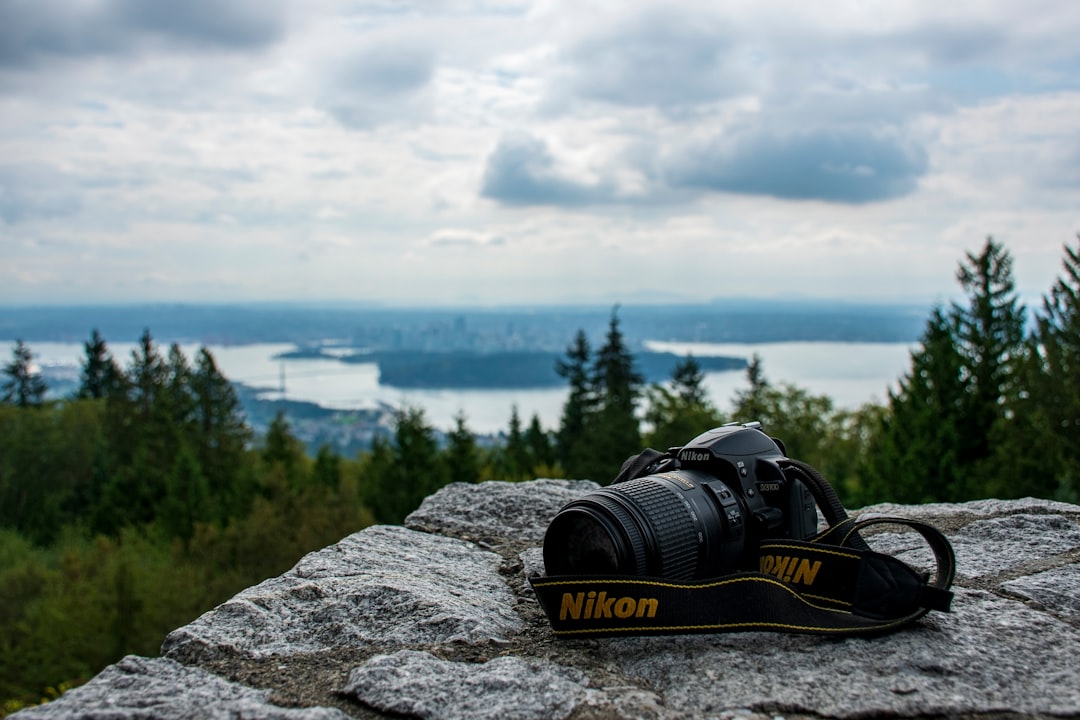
{"x": 508, "y": 152}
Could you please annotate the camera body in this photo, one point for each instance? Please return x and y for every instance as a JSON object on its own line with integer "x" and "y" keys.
{"x": 697, "y": 512}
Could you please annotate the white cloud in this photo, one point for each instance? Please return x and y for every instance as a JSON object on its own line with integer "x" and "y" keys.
{"x": 530, "y": 151}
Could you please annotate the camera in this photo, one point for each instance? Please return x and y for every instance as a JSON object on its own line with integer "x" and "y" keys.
{"x": 695, "y": 512}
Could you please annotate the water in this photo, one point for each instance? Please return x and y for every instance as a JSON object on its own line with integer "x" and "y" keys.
{"x": 850, "y": 373}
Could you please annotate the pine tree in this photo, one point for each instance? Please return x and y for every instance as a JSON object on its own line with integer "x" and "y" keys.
{"x": 750, "y": 403}
{"x": 682, "y": 412}
{"x": 222, "y": 436}
{"x": 25, "y": 387}
{"x": 186, "y": 500}
{"x": 913, "y": 456}
{"x": 957, "y": 407}
{"x": 99, "y": 369}
{"x": 406, "y": 471}
{"x": 326, "y": 472}
{"x": 990, "y": 338}
{"x": 519, "y": 462}
{"x": 283, "y": 454}
{"x": 541, "y": 450}
{"x": 612, "y": 432}
{"x": 579, "y": 406}
{"x": 461, "y": 455}
{"x": 1042, "y": 456}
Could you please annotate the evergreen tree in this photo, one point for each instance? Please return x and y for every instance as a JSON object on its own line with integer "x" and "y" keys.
{"x": 222, "y": 436}
{"x": 326, "y": 472}
{"x": 148, "y": 375}
{"x": 24, "y": 388}
{"x": 409, "y": 470}
{"x": 283, "y": 454}
{"x": 957, "y": 406}
{"x": 519, "y": 462}
{"x": 913, "y": 456}
{"x": 681, "y": 412}
{"x": 612, "y": 432}
{"x": 750, "y": 403}
{"x": 186, "y": 500}
{"x": 541, "y": 450}
{"x": 99, "y": 369}
{"x": 990, "y": 339}
{"x": 461, "y": 456}
{"x": 1041, "y": 454}
{"x": 579, "y": 406}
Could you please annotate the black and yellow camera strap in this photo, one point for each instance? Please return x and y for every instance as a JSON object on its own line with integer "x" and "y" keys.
{"x": 829, "y": 584}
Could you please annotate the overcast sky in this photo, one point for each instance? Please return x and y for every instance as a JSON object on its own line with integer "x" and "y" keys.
{"x": 508, "y": 151}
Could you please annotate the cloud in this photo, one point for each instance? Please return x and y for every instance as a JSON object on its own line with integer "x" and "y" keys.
{"x": 458, "y": 238}
{"x": 655, "y": 58}
{"x": 382, "y": 81}
{"x": 34, "y": 31}
{"x": 853, "y": 165}
{"x": 522, "y": 171}
{"x": 36, "y": 191}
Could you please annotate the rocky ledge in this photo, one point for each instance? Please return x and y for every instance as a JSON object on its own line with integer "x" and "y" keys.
{"x": 436, "y": 620}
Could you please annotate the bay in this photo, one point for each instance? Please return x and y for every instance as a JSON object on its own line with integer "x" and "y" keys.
{"x": 850, "y": 373}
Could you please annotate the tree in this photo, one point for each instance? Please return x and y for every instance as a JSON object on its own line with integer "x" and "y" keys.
{"x": 222, "y": 435}
{"x": 579, "y": 406}
{"x": 519, "y": 461}
{"x": 99, "y": 369}
{"x": 913, "y": 456}
{"x": 461, "y": 455}
{"x": 541, "y": 450}
{"x": 327, "y": 470}
{"x": 612, "y": 432}
{"x": 283, "y": 454}
{"x": 186, "y": 500}
{"x": 958, "y": 404}
{"x": 25, "y": 387}
{"x": 408, "y": 470}
{"x": 681, "y": 412}
{"x": 1040, "y": 454}
{"x": 990, "y": 339}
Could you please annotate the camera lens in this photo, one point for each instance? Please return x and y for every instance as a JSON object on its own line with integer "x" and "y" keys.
{"x": 661, "y": 525}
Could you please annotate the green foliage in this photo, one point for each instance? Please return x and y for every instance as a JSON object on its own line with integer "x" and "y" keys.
{"x": 600, "y": 427}
{"x": 127, "y": 511}
{"x": 580, "y": 404}
{"x": 24, "y": 387}
{"x": 462, "y": 456}
{"x": 957, "y": 407}
{"x": 404, "y": 471}
{"x": 681, "y": 412}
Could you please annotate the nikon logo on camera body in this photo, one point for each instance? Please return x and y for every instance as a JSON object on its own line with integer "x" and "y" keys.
{"x": 798, "y": 571}
{"x": 694, "y": 456}
{"x": 596, "y": 606}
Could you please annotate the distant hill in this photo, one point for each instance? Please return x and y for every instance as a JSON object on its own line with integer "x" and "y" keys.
{"x": 506, "y": 370}
{"x": 482, "y": 330}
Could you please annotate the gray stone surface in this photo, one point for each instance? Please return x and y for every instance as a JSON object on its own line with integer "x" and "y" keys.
{"x": 383, "y": 585}
{"x": 139, "y": 687}
{"x": 436, "y": 620}
{"x": 494, "y": 512}
{"x": 420, "y": 684}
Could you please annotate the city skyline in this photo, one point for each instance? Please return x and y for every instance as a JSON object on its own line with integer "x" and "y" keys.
{"x": 531, "y": 152}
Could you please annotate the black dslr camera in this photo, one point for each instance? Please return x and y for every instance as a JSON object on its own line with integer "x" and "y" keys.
{"x": 695, "y": 512}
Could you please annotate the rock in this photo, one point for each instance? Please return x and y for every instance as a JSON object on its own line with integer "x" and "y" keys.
{"x": 139, "y": 687}
{"x": 495, "y": 512}
{"x": 436, "y": 620}
{"x": 420, "y": 684}
{"x": 383, "y": 585}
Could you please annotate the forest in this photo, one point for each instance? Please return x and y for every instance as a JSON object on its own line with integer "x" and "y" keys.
{"x": 144, "y": 499}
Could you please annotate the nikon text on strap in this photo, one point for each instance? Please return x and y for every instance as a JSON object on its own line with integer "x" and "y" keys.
{"x": 829, "y": 584}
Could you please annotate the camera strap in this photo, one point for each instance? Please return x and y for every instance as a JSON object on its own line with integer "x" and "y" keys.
{"x": 830, "y": 584}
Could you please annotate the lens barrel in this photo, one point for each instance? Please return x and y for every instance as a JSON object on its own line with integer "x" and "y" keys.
{"x": 678, "y": 525}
